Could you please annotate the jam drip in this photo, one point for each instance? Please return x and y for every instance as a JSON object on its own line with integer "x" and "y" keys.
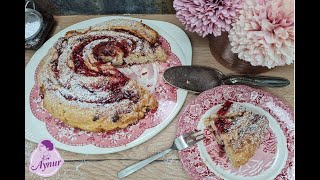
{"x": 54, "y": 68}
{"x": 222, "y": 125}
{"x": 225, "y": 107}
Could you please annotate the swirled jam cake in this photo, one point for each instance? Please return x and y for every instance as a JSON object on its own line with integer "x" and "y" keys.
{"x": 81, "y": 85}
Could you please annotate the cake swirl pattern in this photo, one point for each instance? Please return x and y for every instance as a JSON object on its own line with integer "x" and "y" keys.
{"x": 150, "y": 75}
{"x": 81, "y": 82}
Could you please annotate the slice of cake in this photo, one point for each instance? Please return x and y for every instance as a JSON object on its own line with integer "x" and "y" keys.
{"x": 239, "y": 131}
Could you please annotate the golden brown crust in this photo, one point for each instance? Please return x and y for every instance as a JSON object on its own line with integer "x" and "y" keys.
{"x": 134, "y": 27}
{"x": 242, "y": 155}
{"x": 84, "y": 118}
{"x": 43, "y": 63}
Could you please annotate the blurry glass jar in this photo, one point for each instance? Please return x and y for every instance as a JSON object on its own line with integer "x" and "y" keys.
{"x": 33, "y": 21}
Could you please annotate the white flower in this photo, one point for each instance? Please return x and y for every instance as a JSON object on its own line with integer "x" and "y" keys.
{"x": 264, "y": 33}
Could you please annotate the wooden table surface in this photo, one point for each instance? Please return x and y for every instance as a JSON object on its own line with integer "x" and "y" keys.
{"x": 169, "y": 167}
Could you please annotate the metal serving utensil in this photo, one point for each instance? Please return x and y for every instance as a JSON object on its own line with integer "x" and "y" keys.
{"x": 200, "y": 78}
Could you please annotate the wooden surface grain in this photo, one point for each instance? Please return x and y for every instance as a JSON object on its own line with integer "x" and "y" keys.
{"x": 80, "y": 166}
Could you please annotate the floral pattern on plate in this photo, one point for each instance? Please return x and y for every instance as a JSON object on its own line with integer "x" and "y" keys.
{"x": 191, "y": 160}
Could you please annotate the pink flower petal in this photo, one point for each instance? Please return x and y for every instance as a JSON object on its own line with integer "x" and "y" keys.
{"x": 281, "y": 32}
{"x": 266, "y": 25}
{"x": 255, "y": 25}
{"x": 217, "y": 12}
{"x": 264, "y": 33}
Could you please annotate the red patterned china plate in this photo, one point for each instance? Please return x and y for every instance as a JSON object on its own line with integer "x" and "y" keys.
{"x": 40, "y": 124}
{"x": 273, "y": 160}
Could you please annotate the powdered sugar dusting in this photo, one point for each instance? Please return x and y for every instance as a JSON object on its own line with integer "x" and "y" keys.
{"x": 80, "y": 89}
{"x": 31, "y": 28}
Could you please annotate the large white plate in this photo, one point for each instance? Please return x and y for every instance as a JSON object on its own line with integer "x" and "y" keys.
{"x": 35, "y": 130}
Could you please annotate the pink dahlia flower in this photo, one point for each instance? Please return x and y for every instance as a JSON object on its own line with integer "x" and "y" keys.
{"x": 264, "y": 33}
{"x": 207, "y": 16}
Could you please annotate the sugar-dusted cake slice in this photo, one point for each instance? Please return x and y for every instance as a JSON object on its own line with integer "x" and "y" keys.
{"x": 239, "y": 131}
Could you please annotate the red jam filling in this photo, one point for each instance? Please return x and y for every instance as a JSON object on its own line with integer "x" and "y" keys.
{"x": 54, "y": 68}
{"x": 79, "y": 66}
{"x": 225, "y": 108}
{"x": 222, "y": 125}
{"x": 117, "y": 79}
{"x": 111, "y": 48}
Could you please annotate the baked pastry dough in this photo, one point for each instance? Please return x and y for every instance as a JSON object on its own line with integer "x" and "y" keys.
{"x": 81, "y": 85}
{"x": 238, "y": 131}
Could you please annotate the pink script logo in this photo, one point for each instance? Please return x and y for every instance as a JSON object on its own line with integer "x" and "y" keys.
{"x": 45, "y": 160}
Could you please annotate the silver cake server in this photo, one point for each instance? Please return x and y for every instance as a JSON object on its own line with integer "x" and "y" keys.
{"x": 200, "y": 78}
